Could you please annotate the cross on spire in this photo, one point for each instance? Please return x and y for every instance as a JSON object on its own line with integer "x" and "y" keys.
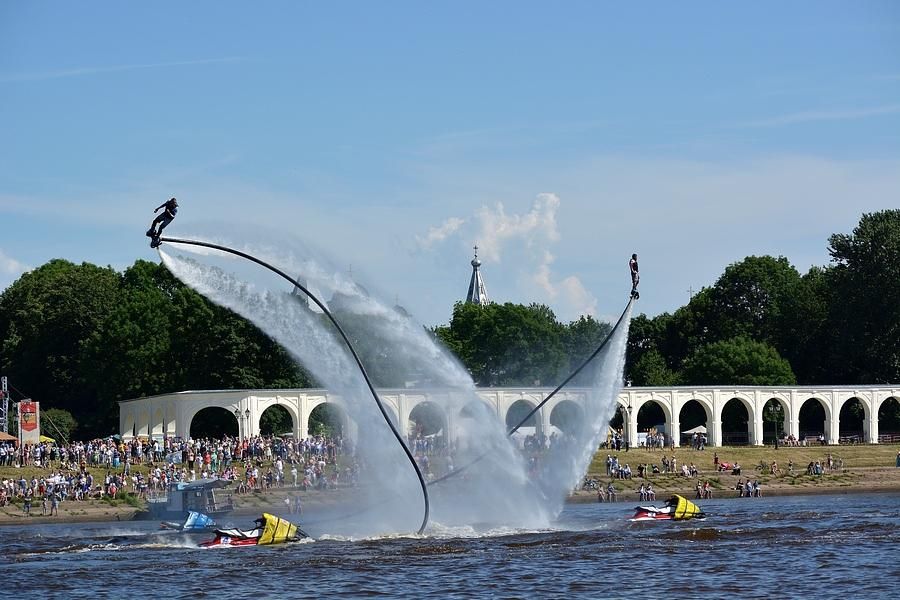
{"x": 477, "y": 292}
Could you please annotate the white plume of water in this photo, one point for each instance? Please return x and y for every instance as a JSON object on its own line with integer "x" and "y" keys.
{"x": 494, "y": 489}
{"x": 566, "y": 464}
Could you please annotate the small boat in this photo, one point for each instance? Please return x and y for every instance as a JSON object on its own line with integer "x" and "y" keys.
{"x": 676, "y": 508}
{"x": 269, "y": 530}
{"x": 195, "y": 522}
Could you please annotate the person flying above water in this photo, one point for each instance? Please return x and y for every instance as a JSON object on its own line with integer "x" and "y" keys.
{"x": 635, "y": 276}
{"x": 171, "y": 207}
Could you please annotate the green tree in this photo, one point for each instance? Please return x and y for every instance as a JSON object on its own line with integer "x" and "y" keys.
{"x": 737, "y": 361}
{"x": 651, "y": 369}
{"x": 749, "y": 300}
{"x": 579, "y": 340}
{"x": 58, "y": 424}
{"x": 806, "y": 334}
{"x": 506, "y": 344}
{"x": 45, "y": 317}
{"x": 129, "y": 353}
{"x": 163, "y": 337}
{"x": 865, "y": 314}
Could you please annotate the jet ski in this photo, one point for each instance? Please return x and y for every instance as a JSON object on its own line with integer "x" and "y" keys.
{"x": 676, "y": 508}
{"x": 195, "y": 522}
{"x": 269, "y": 530}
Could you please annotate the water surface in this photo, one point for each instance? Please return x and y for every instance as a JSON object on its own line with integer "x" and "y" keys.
{"x": 822, "y": 546}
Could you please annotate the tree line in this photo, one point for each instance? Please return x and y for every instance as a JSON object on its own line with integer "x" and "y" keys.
{"x": 79, "y": 338}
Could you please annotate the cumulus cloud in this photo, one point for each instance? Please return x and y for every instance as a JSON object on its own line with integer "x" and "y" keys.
{"x": 526, "y": 238}
{"x": 536, "y": 227}
{"x": 440, "y": 233}
{"x": 11, "y": 266}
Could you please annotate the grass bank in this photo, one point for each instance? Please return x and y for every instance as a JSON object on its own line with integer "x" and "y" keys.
{"x": 858, "y": 469}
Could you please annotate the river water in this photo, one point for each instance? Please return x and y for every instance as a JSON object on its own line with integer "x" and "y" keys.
{"x": 821, "y": 547}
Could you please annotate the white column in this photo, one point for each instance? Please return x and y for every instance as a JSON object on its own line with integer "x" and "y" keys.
{"x": 794, "y": 425}
{"x": 715, "y": 438}
{"x": 544, "y": 420}
{"x": 872, "y": 431}
{"x": 252, "y": 426}
{"x": 755, "y": 430}
{"x": 300, "y": 428}
{"x": 675, "y": 432}
{"x": 403, "y": 417}
{"x": 832, "y": 430}
{"x": 631, "y": 425}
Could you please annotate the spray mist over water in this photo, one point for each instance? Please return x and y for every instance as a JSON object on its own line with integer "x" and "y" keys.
{"x": 494, "y": 490}
{"x": 564, "y": 467}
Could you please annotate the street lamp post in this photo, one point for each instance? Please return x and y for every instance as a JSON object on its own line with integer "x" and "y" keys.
{"x": 237, "y": 415}
{"x": 247, "y": 426}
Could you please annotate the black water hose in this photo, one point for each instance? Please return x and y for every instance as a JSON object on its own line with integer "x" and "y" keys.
{"x": 550, "y": 395}
{"x": 478, "y": 458}
{"x": 576, "y": 371}
{"x": 359, "y": 364}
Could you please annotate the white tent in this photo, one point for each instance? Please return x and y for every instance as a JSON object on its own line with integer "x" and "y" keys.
{"x": 697, "y": 429}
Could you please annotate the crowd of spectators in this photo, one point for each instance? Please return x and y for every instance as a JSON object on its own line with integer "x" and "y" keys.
{"x": 258, "y": 463}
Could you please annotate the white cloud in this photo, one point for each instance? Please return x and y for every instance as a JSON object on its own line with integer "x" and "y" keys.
{"x": 825, "y": 115}
{"x": 527, "y": 238}
{"x": 536, "y": 227}
{"x": 439, "y": 233}
{"x": 11, "y": 266}
{"x": 10, "y": 269}
{"x": 80, "y": 71}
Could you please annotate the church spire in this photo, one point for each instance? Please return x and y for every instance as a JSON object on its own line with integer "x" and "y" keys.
{"x": 477, "y": 292}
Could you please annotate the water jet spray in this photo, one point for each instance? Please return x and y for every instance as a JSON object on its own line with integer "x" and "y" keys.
{"x": 340, "y": 330}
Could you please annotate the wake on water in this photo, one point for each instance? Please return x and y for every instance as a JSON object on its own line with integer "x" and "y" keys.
{"x": 495, "y": 489}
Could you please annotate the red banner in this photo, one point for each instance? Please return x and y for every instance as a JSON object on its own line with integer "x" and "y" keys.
{"x": 28, "y": 415}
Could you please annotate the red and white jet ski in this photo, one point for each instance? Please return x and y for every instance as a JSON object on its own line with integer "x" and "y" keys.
{"x": 677, "y": 508}
{"x": 270, "y": 530}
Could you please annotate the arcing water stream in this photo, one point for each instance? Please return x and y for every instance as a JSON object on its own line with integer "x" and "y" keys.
{"x": 497, "y": 489}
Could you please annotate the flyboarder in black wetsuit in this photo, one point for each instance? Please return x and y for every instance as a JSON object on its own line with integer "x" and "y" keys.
{"x": 171, "y": 207}
{"x": 635, "y": 276}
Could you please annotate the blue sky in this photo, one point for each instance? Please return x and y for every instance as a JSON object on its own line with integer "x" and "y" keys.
{"x": 561, "y": 137}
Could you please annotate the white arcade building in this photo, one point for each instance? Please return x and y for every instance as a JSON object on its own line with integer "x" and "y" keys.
{"x": 754, "y": 413}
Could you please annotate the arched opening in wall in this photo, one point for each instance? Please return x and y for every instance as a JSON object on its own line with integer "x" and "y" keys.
{"x": 276, "y": 420}
{"x": 427, "y": 427}
{"x": 615, "y": 438}
{"x": 850, "y": 422}
{"x": 735, "y": 424}
{"x": 773, "y": 421}
{"x": 327, "y": 419}
{"x": 618, "y": 419}
{"x": 889, "y": 421}
{"x": 811, "y": 420}
{"x": 130, "y": 426}
{"x": 476, "y": 419}
{"x": 651, "y": 421}
{"x": 568, "y": 417}
{"x": 693, "y": 420}
{"x": 478, "y": 411}
{"x": 517, "y": 412}
{"x": 213, "y": 422}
